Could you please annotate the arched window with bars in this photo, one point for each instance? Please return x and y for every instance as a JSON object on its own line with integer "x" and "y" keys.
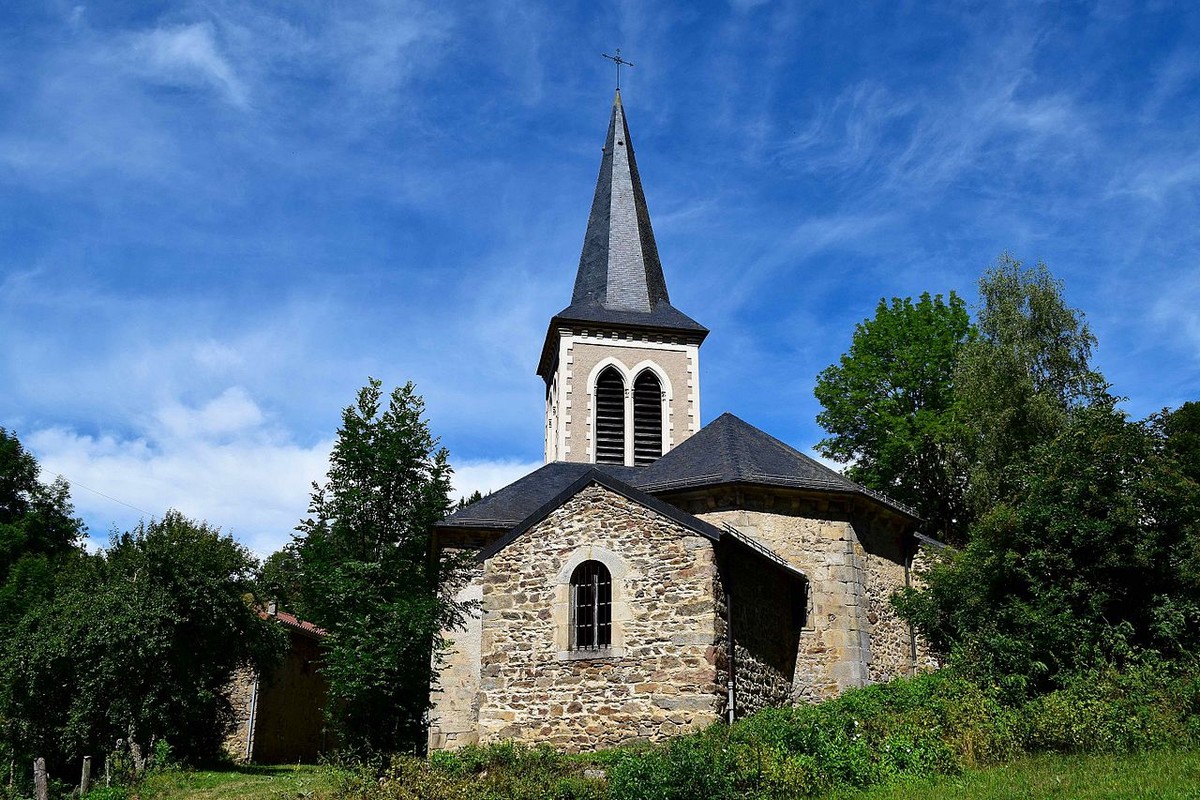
{"x": 591, "y": 607}
{"x": 647, "y": 419}
{"x": 610, "y": 417}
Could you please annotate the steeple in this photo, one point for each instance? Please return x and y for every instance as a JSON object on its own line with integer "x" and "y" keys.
{"x": 619, "y": 267}
{"x": 620, "y": 279}
{"x": 621, "y": 364}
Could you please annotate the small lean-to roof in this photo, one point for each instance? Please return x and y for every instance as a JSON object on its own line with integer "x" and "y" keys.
{"x": 605, "y": 479}
{"x": 295, "y": 623}
{"x": 513, "y": 504}
{"x": 729, "y": 450}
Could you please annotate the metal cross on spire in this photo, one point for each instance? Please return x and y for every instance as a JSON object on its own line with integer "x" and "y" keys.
{"x": 619, "y": 62}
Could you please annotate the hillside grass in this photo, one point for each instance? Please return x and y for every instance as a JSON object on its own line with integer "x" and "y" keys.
{"x": 1164, "y": 775}
{"x": 295, "y": 782}
{"x": 1160, "y": 775}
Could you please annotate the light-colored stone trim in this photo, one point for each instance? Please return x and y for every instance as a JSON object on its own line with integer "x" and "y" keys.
{"x": 621, "y": 576}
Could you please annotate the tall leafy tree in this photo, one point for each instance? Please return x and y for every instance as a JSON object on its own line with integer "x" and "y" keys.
{"x": 887, "y": 407}
{"x": 1092, "y": 558}
{"x": 367, "y": 574}
{"x": 1180, "y": 430}
{"x": 38, "y": 530}
{"x": 138, "y": 643}
{"x": 1018, "y": 381}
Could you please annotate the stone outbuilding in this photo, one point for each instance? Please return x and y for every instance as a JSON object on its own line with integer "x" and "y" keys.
{"x": 655, "y": 575}
{"x": 278, "y": 717}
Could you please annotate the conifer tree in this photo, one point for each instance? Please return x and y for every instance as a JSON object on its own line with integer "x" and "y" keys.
{"x": 367, "y": 573}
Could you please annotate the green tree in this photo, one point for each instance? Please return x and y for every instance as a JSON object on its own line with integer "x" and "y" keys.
{"x": 887, "y": 407}
{"x": 138, "y": 643}
{"x": 367, "y": 574}
{"x": 1091, "y": 558}
{"x": 1018, "y": 381}
{"x": 1180, "y": 431}
{"x": 281, "y": 579}
{"x": 37, "y": 530}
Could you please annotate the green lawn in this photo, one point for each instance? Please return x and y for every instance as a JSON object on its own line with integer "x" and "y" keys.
{"x": 242, "y": 783}
{"x": 1154, "y": 776}
{"x": 1169, "y": 776}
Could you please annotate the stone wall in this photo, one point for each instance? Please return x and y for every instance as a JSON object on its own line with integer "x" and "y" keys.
{"x": 765, "y": 631}
{"x": 852, "y": 636}
{"x": 883, "y": 556}
{"x": 454, "y": 718}
{"x": 241, "y": 692}
{"x": 283, "y": 712}
{"x": 290, "y": 725}
{"x": 657, "y": 680}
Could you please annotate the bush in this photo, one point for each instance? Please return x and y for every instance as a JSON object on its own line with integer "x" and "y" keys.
{"x": 505, "y": 770}
{"x": 688, "y": 767}
{"x": 938, "y": 723}
{"x": 1108, "y": 712}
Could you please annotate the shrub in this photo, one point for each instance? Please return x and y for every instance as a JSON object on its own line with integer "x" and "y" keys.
{"x": 507, "y": 770}
{"x": 688, "y": 767}
{"x": 1108, "y": 712}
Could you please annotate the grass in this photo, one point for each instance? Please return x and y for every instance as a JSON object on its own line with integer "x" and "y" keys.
{"x": 1159, "y": 775}
{"x": 1162, "y": 775}
{"x": 242, "y": 783}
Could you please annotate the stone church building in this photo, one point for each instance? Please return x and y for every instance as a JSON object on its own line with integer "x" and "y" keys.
{"x": 655, "y": 576}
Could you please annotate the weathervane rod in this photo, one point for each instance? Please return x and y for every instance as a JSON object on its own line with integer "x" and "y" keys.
{"x": 619, "y": 62}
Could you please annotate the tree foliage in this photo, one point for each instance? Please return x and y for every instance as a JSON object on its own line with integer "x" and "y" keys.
{"x": 367, "y": 574}
{"x": 888, "y": 403}
{"x": 37, "y": 530}
{"x": 138, "y": 642}
{"x": 1019, "y": 379}
{"x": 1093, "y": 558}
{"x": 1180, "y": 433}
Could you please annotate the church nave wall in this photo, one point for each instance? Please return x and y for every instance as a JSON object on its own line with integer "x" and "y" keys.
{"x": 659, "y": 677}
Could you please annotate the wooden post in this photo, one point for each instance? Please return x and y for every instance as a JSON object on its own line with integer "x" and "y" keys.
{"x": 40, "y": 790}
{"x": 85, "y": 780}
{"x": 135, "y": 752}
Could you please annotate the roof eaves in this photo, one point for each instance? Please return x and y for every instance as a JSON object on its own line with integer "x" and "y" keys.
{"x": 661, "y": 507}
{"x": 761, "y": 550}
{"x": 846, "y": 488}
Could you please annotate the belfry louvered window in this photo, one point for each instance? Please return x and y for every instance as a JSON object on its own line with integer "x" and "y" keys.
{"x": 647, "y": 419}
{"x": 591, "y": 607}
{"x": 610, "y": 417}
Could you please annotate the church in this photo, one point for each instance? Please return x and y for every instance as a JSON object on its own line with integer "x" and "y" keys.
{"x": 655, "y": 576}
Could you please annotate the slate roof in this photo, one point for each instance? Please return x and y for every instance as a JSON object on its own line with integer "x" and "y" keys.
{"x": 730, "y": 450}
{"x": 513, "y": 504}
{"x": 725, "y": 451}
{"x": 606, "y": 479}
{"x": 727, "y": 534}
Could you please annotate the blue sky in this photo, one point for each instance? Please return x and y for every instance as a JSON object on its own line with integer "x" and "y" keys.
{"x": 218, "y": 218}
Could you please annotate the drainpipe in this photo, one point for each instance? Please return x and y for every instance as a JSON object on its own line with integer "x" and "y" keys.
{"x": 730, "y": 648}
{"x": 253, "y": 718}
{"x": 910, "y": 552}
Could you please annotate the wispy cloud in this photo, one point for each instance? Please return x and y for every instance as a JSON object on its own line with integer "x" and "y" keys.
{"x": 184, "y": 56}
{"x": 223, "y": 461}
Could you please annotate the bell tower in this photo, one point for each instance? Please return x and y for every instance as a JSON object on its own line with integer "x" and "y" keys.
{"x": 621, "y": 364}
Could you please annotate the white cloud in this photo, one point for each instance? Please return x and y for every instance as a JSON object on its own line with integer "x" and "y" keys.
{"x": 488, "y": 476}
{"x": 254, "y": 485}
{"x": 231, "y": 412}
{"x": 185, "y": 55}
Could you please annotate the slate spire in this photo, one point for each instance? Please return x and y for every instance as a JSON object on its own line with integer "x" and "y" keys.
{"x": 619, "y": 267}
{"x": 620, "y": 278}
{"x": 620, "y": 281}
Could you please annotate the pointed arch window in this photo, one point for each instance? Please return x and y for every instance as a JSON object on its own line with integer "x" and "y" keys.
{"x": 647, "y": 419}
{"x": 591, "y": 607}
{"x": 610, "y": 417}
